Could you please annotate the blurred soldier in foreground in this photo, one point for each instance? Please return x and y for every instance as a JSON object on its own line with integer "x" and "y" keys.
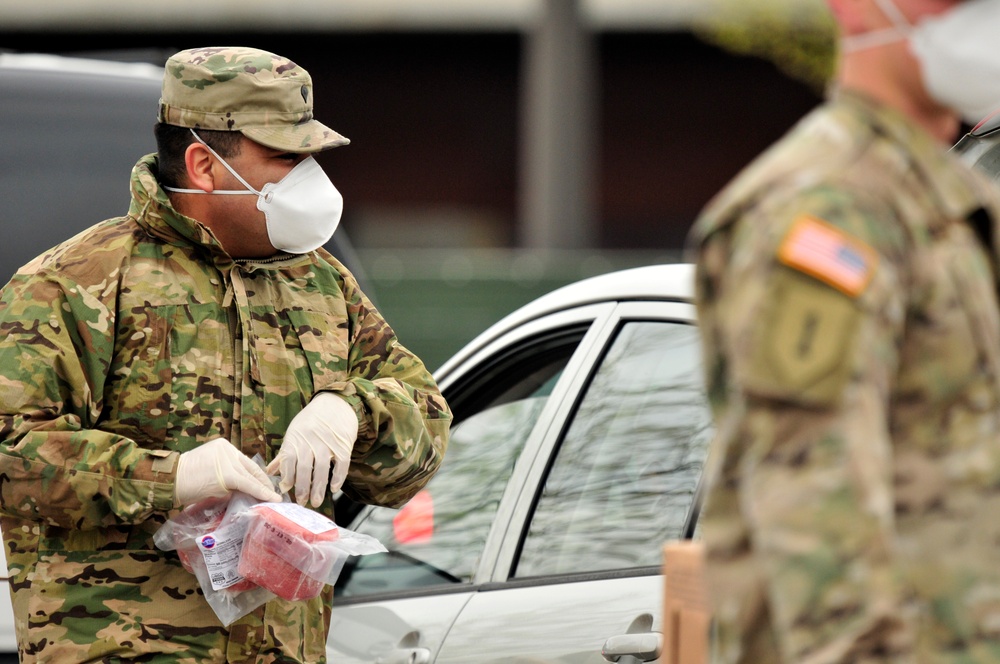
{"x": 145, "y": 361}
{"x": 848, "y": 300}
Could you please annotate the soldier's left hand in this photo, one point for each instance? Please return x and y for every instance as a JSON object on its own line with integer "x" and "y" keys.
{"x": 323, "y": 433}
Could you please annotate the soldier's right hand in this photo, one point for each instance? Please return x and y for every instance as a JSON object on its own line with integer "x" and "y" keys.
{"x": 216, "y": 469}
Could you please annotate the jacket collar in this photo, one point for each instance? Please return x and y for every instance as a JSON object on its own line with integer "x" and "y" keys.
{"x": 152, "y": 210}
{"x": 941, "y": 172}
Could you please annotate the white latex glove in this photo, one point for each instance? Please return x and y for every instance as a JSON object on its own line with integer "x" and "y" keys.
{"x": 323, "y": 432}
{"x": 216, "y": 469}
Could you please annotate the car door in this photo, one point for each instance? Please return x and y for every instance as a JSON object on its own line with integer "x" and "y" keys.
{"x": 575, "y": 454}
{"x": 442, "y": 545}
{"x": 578, "y": 572}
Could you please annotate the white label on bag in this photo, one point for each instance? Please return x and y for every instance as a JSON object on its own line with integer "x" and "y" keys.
{"x": 302, "y": 516}
{"x": 221, "y": 550}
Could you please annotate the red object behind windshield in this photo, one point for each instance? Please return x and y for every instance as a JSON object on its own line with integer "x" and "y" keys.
{"x": 414, "y": 524}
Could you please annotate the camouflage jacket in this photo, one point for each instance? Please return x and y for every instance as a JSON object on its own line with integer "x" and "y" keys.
{"x": 135, "y": 341}
{"x": 848, "y": 302}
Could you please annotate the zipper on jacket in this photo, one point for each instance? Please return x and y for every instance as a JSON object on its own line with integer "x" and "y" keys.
{"x": 243, "y": 309}
{"x": 236, "y": 337}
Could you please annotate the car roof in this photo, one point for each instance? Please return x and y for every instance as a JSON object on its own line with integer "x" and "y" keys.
{"x": 72, "y": 129}
{"x": 667, "y": 282}
{"x": 60, "y": 64}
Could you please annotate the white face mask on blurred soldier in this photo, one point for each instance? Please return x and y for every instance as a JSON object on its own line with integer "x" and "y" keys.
{"x": 302, "y": 210}
{"x": 958, "y": 51}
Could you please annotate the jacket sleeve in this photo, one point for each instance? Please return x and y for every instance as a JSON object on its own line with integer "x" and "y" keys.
{"x": 404, "y": 419}
{"x": 56, "y": 343}
{"x": 799, "y": 516}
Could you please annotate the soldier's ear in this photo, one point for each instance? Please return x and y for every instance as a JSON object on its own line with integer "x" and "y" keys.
{"x": 200, "y": 165}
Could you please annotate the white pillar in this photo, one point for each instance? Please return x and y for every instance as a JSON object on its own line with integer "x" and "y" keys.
{"x": 558, "y": 141}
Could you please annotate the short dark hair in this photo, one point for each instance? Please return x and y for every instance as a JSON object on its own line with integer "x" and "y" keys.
{"x": 172, "y": 141}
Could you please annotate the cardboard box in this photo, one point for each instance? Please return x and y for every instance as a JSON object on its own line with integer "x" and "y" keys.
{"x": 686, "y": 611}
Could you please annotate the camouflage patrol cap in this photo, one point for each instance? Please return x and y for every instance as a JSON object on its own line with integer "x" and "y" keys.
{"x": 265, "y": 96}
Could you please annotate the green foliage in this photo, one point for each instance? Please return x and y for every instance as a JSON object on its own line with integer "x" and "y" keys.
{"x": 798, "y": 36}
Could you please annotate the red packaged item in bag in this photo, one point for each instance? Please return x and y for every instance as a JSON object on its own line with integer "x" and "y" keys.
{"x": 284, "y": 550}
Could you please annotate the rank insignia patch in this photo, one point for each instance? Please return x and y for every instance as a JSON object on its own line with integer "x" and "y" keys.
{"x": 827, "y": 253}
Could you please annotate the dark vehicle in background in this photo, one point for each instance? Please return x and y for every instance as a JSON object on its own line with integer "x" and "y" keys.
{"x": 71, "y": 131}
{"x": 580, "y": 433}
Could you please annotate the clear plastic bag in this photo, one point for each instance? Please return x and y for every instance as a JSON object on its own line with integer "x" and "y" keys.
{"x": 208, "y": 537}
{"x": 245, "y": 552}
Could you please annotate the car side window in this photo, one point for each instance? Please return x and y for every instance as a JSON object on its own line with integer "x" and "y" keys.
{"x": 627, "y": 469}
{"x": 439, "y": 535}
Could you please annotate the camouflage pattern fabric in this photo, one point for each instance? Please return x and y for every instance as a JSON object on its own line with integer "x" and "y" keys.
{"x": 847, "y": 297}
{"x": 265, "y": 96}
{"x": 140, "y": 339}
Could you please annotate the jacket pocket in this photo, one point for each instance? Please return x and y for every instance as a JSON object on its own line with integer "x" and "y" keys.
{"x": 90, "y": 606}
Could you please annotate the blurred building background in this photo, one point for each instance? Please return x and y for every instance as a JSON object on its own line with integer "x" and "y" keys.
{"x": 499, "y": 147}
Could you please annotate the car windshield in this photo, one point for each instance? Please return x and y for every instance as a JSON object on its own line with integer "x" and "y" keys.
{"x": 438, "y": 535}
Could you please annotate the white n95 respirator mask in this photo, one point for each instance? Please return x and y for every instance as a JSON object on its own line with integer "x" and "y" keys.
{"x": 302, "y": 210}
{"x": 958, "y": 51}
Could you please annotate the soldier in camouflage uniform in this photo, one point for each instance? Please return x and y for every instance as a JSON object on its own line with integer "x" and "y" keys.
{"x": 847, "y": 292}
{"x": 129, "y": 347}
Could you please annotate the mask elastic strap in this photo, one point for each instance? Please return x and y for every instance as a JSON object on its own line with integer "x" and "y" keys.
{"x": 899, "y": 30}
{"x": 892, "y": 12}
{"x": 229, "y": 168}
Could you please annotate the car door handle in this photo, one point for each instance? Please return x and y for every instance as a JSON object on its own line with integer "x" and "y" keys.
{"x": 406, "y": 656}
{"x": 645, "y": 647}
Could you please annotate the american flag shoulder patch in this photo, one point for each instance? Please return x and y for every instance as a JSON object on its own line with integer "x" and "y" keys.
{"x": 829, "y": 254}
